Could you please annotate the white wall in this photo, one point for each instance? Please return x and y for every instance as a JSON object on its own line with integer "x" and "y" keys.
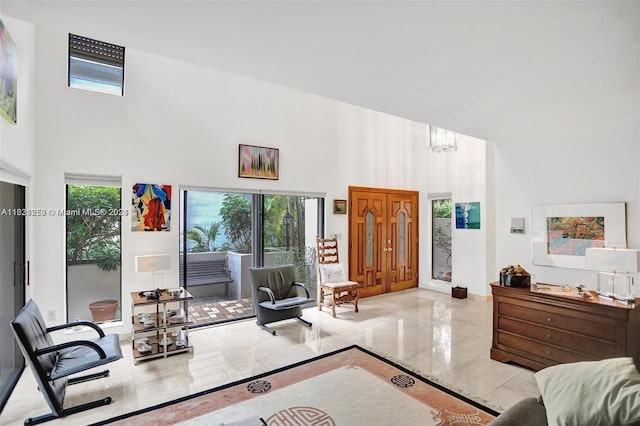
{"x": 17, "y": 141}
{"x": 180, "y": 124}
{"x": 463, "y": 173}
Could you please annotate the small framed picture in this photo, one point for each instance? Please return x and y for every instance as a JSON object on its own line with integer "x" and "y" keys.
{"x": 339, "y": 206}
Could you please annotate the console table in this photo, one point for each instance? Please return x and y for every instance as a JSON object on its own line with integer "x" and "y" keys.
{"x": 537, "y": 330}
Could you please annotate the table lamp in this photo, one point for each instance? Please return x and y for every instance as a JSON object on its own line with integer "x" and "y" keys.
{"x": 153, "y": 263}
{"x": 616, "y": 269}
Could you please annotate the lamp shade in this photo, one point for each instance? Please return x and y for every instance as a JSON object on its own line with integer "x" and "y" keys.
{"x": 613, "y": 259}
{"x": 153, "y": 262}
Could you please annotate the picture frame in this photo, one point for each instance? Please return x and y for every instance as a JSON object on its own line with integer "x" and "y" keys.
{"x": 560, "y": 234}
{"x": 151, "y": 207}
{"x": 468, "y": 215}
{"x": 258, "y": 162}
{"x": 339, "y": 206}
{"x": 8, "y": 75}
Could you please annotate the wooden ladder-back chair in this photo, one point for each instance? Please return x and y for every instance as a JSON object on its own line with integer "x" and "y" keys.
{"x": 331, "y": 279}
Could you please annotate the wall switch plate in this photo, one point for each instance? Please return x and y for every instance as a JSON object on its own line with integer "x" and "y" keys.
{"x": 517, "y": 225}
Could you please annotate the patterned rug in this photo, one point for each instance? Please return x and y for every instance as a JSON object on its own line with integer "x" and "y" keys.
{"x": 225, "y": 310}
{"x": 351, "y": 386}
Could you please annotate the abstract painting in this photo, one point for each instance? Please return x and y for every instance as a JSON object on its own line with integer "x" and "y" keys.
{"x": 573, "y": 235}
{"x": 258, "y": 162}
{"x": 151, "y": 207}
{"x": 468, "y": 215}
{"x": 561, "y": 234}
{"x": 8, "y": 76}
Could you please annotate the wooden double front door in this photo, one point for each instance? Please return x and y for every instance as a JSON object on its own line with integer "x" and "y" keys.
{"x": 383, "y": 239}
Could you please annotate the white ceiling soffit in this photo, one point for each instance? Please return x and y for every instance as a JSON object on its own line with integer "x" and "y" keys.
{"x": 489, "y": 69}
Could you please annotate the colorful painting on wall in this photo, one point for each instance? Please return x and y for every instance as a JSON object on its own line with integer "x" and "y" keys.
{"x": 258, "y": 162}
{"x": 8, "y": 76}
{"x": 561, "y": 234}
{"x": 468, "y": 215}
{"x": 151, "y": 205}
{"x": 573, "y": 235}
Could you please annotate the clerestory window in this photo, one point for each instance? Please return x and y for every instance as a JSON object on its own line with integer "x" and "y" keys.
{"x": 95, "y": 65}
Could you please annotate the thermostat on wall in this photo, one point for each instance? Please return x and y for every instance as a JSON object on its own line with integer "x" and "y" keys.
{"x": 517, "y": 225}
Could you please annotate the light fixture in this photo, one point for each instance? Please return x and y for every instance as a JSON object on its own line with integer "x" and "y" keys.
{"x": 442, "y": 140}
{"x": 153, "y": 263}
{"x": 616, "y": 267}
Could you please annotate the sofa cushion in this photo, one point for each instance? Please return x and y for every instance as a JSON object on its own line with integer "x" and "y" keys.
{"x": 603, "y": 392}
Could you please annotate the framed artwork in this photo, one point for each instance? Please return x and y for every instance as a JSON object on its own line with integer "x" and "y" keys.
{"x": 151, "y": 207}
{"x": 468, "y": 215}
{"x": 8, "y": 76}
{"x": 258, "y": 162}
{"x": 562, "y": 233}
{"x": 339, "y": 206}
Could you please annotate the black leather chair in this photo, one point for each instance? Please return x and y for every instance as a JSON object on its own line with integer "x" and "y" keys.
{"x": 52, "y": 364}
{"x": 277, "y": 296}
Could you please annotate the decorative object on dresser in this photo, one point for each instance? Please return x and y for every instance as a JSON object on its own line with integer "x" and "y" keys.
{"x": 616, "y": 267}
{"x": 514, "y": 276}
{"x": 541, "y": 329}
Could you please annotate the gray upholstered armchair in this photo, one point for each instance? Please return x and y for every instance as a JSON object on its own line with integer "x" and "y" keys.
{"x": 52, "y": 364}
{"x": 277, "y": 296}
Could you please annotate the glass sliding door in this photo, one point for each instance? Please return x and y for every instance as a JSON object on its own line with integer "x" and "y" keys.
{"x": 215, "y": 254}
{"x": 12, "y": 282}
{"x": 290, "y": 229}
{"x": 237, "y": 231}
{"x": 93, "y": 229}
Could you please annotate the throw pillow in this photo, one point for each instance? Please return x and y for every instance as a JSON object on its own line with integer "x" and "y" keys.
{"x": 332, "y": 273}
{"x": 603, "y": 392}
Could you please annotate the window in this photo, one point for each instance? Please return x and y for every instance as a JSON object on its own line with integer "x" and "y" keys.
{"x": 441, "y": 239}
{"x": 93, "y": 229}
{"x": 95, "y": 65}
{"x": 240, "y": 230}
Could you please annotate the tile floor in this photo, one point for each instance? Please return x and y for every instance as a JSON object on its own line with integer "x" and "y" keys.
{"x": 442, "y": 338}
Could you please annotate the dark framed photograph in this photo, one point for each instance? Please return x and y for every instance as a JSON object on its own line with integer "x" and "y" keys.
{"x": 258, "y": 162}
{"x": 339, "y": 206}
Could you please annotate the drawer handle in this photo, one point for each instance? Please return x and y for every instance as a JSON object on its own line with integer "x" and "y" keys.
{"x": 549, "y": 337}
{"x": 549, "y": 352}
{"x": 549, "y": 319}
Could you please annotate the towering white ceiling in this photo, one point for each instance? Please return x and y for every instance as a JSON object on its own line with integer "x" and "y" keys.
{"x": 490, "y": 69}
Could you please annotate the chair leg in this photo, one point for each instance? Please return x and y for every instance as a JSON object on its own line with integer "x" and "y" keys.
{"x": 333, "y": 305}
{"x": 355, "y": 302}
{"x": 71, "y": 410}
{"x": 305, "y": 322}
{"x": 88, "y": 377}
{"x": 269, "y": 329}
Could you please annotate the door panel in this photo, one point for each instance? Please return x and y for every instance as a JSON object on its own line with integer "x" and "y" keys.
{"x": 402, "y": 251}
{"x": 383, "y": 239}
{"x": 367, "y": 227}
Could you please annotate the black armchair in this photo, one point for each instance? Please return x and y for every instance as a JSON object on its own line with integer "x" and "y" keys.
{"x": 51, "y": 363}
{"x": 277, "y": 296}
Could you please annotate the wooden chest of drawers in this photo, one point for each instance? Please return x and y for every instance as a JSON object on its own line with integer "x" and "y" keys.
{"x": 538, "y": 330}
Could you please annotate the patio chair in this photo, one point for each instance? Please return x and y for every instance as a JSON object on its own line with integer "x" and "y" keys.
{"x": 52, "y": 364}
{"x": 277, "y": 295}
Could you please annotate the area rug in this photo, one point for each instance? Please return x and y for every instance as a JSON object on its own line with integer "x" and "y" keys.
{"x": 351, "y": 386}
